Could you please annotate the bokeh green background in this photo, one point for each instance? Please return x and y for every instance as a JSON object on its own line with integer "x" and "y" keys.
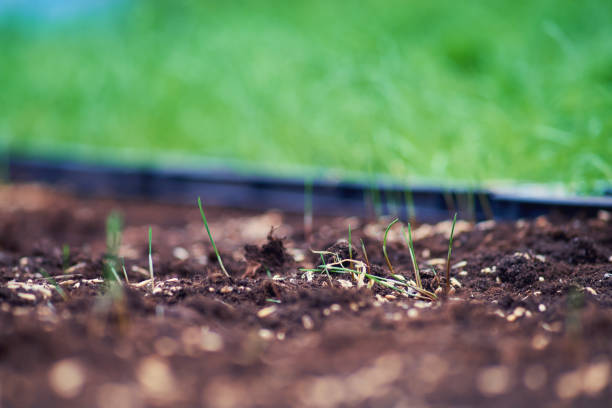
{"x": 434, "y": 91}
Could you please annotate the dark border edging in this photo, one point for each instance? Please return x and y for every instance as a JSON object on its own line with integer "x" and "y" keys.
{"x": 224, "y": 187}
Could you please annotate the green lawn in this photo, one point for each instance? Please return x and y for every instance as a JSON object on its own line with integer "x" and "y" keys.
{"x": 440, "y": 91}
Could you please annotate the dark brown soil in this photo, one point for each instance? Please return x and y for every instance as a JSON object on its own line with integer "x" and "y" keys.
{"x": 529, "y": 325}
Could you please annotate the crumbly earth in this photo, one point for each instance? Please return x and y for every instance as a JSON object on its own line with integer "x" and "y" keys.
{"x": 529, "y": 322}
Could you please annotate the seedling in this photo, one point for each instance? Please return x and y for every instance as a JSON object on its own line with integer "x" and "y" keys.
{"x": 113, "y": 234}
{"x": 384, "y": 246}
{"x": 113, "y": 242}
{"x": 124, "y": 271}
{"x": 415, "y": 265}
{"x": 212, "y": 241}
{"x": 448, "y": 257}
{"x": 151, "y": 259}
{"x": 326, "y": 270}
{"x": 365, "y": 254}
{"x": 52, "y": 281}
{"x": 65, "y": 256}
{"x": 360, "y": 272}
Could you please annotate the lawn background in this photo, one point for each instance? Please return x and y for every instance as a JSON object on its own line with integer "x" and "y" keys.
{"x": 432, "y": 91}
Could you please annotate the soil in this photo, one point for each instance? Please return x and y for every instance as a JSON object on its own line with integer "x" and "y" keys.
{"x": 529, "y": 322}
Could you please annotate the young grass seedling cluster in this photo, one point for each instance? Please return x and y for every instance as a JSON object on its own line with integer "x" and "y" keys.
{"x": 360, "y": 271}
{"x": 212, "y": 241}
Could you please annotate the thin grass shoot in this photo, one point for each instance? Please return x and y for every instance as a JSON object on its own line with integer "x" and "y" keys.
{"x": 151, "y": 259}
{"x": 415, "y": 265}
{"x": 448, "y": 257}
{"x": 53, "y": 282}
{"x": 384, "y": 246}
{"x": 212, "y": 241}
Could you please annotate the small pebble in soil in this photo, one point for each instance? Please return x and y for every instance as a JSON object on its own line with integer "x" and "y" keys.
{"x": 488, "y": 269}
{"x": 535, "y": 377}
{"x": 463, "y": 273}
{"x": 412, "y": 313}
{"x": 27, "y": 296}
{"x": 607, "y": 275}
{"x": 166, "y": 346}
{"x": 542, "y": 307}
{"x": 591, "y": 290}
{"x": 156, "y": 379}
{"x": 345, "y": 283}
{"x": 266, "y": 334}
{"x": 67, "y": 378}
{"x": 266, "y": 311}
{"x": 554, "y": 327}
{"x": 227, "y": 289}
{"x": 540, "y": 341}
{"x": 495, "y": 380}
{"x": 390, "y": 297}
{"x": 180, "y": 253}
{"x": 307, "y": 322}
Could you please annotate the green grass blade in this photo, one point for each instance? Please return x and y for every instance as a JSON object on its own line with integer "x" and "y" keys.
{"x": 365, "y": 254}
{"x": 124, "y": 271}
{"x": 385, "y": 244}
{"x": 212, "y": 241}
{"x": 52, "y": 281}
{"x": 415, "y": 265}
{"x": 151, "y": 259}
{"x": 448, "y": 257}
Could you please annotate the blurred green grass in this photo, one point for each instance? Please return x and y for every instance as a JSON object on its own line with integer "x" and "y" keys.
{"x": 436, "y": 91}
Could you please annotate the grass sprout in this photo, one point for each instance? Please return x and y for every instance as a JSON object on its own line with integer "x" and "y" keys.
{"x": 360, "y": 273}
{"x": 448, "y": 257}
{"x": 124, "y": 271}
{"x": 384, "y": 246}
{"x": 365, "y": 254}
{"x": 415, "y": 265}
{"x": 212, "y": 241}
{"x": 113, "y": 243}
{"x": 151, "y": 259}
{"x": 65, "y": 256}
{"x": 326, "y": 270}
{"x": 53, "y": 282}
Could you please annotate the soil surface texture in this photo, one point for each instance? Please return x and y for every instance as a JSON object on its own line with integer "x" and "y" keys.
{"x": 528, "y": 321}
